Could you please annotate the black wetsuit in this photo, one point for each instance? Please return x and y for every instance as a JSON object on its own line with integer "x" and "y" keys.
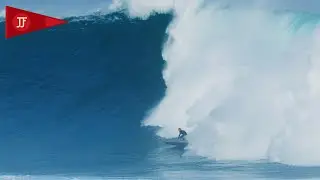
{"x": 182, "y": 134}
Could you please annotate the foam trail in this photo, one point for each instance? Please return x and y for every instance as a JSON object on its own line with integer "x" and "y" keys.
{"x": 242, "y": 81}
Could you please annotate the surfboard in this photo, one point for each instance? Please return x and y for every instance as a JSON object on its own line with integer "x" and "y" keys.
{"x": 176, "y": 142}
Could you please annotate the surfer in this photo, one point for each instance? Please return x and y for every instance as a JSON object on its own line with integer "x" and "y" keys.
{"x": 182, "y": 134}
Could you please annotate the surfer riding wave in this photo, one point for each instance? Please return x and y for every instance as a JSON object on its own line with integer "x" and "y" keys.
{"x": 182, "y": 134}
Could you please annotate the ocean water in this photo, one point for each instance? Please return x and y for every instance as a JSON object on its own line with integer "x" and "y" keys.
{"x": 93, "y": 99}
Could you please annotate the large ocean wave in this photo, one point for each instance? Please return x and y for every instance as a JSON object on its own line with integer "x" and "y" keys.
{"x": 73, "y": 97}
{"x": 241, "y": 80}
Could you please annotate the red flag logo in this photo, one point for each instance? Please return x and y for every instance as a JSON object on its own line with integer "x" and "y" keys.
{"x": 19, "y": 22}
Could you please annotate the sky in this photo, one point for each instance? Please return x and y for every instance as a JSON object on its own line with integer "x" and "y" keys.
{"x": 80, "y": 7}
{"x": 57, "y": 7}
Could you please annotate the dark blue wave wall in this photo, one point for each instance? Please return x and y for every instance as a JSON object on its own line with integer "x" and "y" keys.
{"x": 73, "y": 97}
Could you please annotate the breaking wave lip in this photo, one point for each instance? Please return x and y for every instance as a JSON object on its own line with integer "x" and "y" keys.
{"x": 244, "y": 77}
{"x": 108, "y": 9}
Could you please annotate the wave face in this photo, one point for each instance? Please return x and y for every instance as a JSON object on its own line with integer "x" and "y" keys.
{"x": 72, "y": 98}
{"x": 242, "y": 80}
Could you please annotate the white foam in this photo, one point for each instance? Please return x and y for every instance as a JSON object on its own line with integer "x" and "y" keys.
{"x": 144, "y": 8}
{"x": 2, "y": 13}
{"x": 240, "y": 81}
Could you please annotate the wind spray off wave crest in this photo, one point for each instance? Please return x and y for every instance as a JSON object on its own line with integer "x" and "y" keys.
{"x": 242, "y": 81}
